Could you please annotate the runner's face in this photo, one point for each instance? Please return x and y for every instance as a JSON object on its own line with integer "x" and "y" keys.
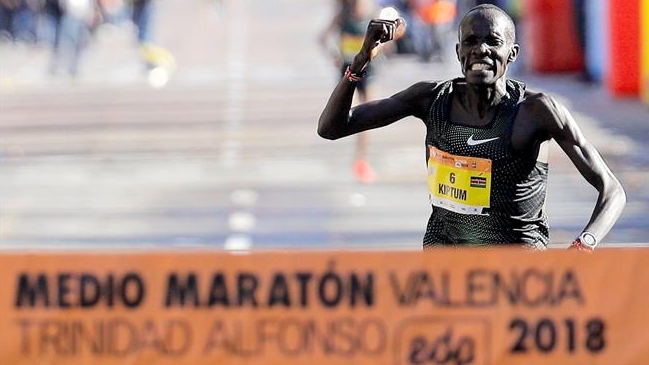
{"x": 484, "y": 50}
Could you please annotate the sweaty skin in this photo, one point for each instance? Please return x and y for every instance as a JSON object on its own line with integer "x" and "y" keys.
{"x": 485, "y": 48}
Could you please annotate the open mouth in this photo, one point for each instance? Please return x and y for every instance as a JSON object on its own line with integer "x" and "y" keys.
{"x": 480, "y": 66}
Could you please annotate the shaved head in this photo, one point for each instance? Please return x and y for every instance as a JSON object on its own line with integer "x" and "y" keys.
{"x": 493, "y": 13}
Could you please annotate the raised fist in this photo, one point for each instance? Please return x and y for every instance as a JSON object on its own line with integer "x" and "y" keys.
{"x": 384, "y": 30}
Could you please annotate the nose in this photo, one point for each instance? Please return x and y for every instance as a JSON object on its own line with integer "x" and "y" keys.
{"x": 481, "y": 48}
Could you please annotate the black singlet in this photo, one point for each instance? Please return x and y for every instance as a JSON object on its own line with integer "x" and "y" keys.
{"x": 516, "y": 186}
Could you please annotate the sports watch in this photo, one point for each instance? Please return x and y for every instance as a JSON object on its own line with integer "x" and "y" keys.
{"x": 588, "y": 239}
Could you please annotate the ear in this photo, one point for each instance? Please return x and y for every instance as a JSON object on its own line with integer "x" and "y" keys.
{"x": 457, "y": 50}
{"x": 513, "y": 53}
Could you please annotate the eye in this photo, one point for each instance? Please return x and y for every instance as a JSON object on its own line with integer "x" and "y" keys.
{"x": 469, "y": 41}
{"x": 494, "y": 42}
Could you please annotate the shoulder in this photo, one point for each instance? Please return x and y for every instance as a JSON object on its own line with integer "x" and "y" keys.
{"x": 540, "y": 103}
{"x": 549, "y": 113}
{"x": 419, "y": 96}
{"x": 423, "y": 88}
{"x": 420, "y": 92}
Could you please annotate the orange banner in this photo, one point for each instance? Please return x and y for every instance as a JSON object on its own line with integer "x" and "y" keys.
{"x": 453, "y": 307}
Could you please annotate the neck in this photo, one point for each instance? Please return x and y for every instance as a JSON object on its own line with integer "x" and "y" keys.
{"x": 484, "y": 97}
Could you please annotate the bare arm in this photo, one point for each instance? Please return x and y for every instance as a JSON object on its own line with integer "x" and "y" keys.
{"x": 338, "y": 119}
{"x": 561, "y": 126}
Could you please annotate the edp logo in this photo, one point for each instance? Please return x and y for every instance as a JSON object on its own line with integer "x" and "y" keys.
{"x": 445, "y": 349}
{"x": 434, "y": 340}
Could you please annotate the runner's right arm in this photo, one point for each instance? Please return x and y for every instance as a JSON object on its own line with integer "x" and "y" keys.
{"x": 339, "y": 119}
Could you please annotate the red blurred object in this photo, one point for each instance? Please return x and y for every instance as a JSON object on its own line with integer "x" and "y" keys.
{"x": 551, "y": 43}
{"x": 624, "y": 65}
{"x": 437, "y": 11}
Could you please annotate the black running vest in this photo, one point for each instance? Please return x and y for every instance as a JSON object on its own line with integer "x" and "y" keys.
{"x": 482, "y": 191}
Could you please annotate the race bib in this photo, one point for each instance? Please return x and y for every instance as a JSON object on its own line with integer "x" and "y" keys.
{"x": 458, "y": 183}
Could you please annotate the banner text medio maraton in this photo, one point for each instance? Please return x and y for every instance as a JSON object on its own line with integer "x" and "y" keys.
{"x": 85, "y": 290}
{"x": 478, "y": 288}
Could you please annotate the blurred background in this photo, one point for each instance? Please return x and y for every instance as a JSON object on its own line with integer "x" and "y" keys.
{"x": 192, "y": 123}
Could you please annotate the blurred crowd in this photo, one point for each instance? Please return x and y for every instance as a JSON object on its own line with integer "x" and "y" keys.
{"x": 431, "y": 21}
{"x": 67, "y": 26}
{"x": 432, "y": 24}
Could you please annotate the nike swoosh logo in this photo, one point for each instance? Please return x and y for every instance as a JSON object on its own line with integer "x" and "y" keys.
{"x": 475, "y": 142}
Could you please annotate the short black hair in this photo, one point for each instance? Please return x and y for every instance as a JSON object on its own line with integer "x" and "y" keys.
{"x": 510, "y": 31}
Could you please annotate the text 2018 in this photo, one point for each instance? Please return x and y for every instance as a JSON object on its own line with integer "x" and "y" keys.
{"x": 549, "y": 334}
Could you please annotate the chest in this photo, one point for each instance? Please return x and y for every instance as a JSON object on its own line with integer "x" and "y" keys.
{"x": 503, "y": 132}
{"x": 456, "y": 132}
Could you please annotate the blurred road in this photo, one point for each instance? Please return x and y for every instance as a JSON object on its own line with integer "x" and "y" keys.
{"x": 226, "y": 155}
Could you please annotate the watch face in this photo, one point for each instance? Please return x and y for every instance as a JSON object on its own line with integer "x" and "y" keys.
{"x": 588, "y": 239}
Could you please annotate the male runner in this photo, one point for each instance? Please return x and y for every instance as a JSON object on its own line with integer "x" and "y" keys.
{"x": 348, "y": 26}
{"x": 486, "y": 141}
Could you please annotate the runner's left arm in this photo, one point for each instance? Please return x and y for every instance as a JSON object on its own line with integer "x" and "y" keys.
{"x": 561, "y": 126}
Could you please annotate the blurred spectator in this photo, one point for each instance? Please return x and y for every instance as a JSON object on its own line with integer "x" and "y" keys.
{"x": 347, "y": 29}
{"x": 18, "y": 20}
{"x": 429, "y": 22}
{"x": 112, "y": 11}
{"x": 437, "y": 18}
{"x": 143, "y": 15}
{"x": 72, "y": 20}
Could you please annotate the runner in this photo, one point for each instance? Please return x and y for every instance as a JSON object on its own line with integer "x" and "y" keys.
{"x": 486, "y": 141}
{"x": 347, "y": 29}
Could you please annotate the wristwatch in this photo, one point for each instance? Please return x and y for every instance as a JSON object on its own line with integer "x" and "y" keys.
{"x": 588, "y": 239}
